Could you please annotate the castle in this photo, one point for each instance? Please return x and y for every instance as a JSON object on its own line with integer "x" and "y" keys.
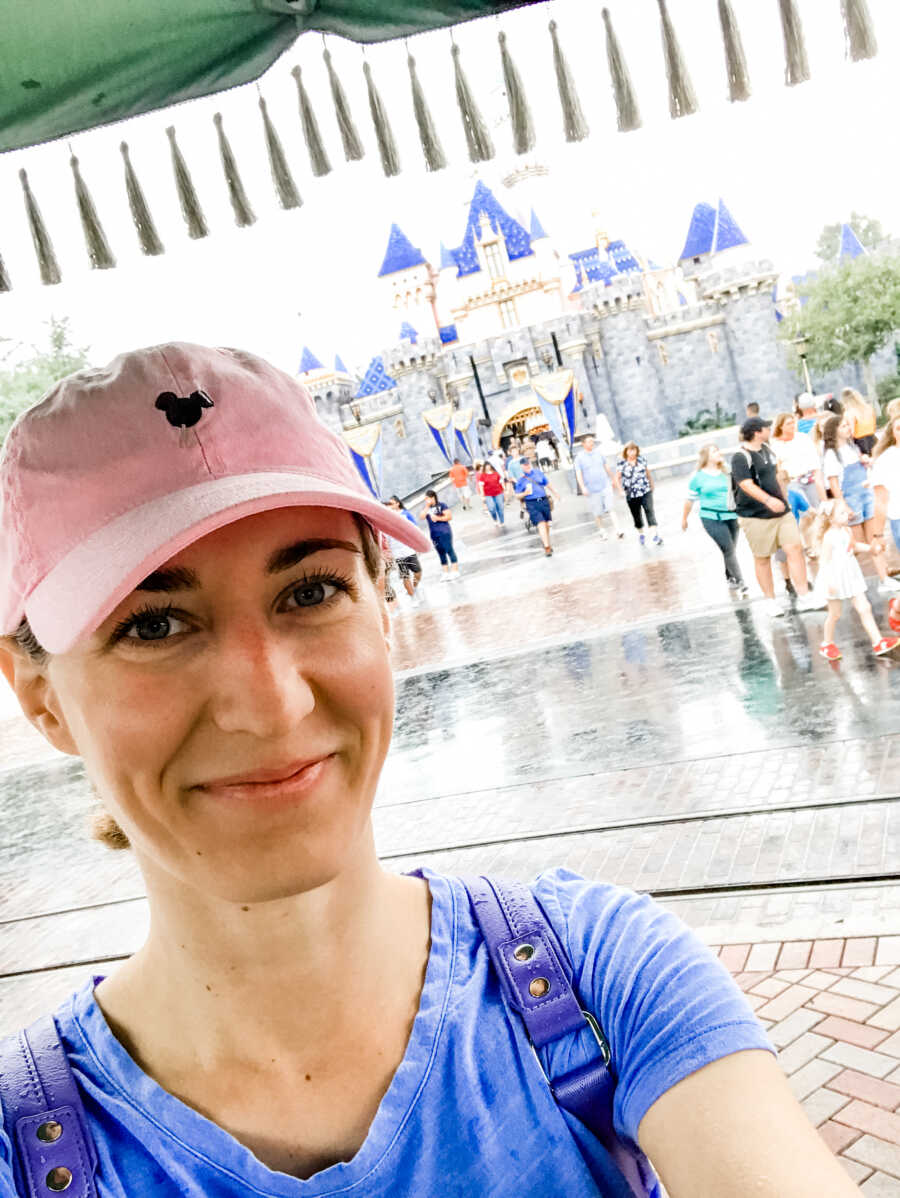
{"x": 649, "y": 346}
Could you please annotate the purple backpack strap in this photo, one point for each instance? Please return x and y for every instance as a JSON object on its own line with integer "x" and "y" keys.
{"x": 44, "y": 1115}
{"x": 536, "y": 980}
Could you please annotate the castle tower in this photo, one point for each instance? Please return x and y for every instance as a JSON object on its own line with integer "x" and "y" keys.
{"x": 412, "y": 281}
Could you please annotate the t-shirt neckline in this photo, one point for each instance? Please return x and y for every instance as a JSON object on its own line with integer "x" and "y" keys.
{"x": 214, "y": 1148}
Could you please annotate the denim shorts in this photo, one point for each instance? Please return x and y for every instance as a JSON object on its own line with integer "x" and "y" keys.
{"x": 539, "y": 510}
{"x": 861, "y": 503}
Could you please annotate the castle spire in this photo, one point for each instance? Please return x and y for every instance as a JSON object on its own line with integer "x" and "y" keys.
{"x": 851, "y": 246}
{"x": 309, "y": 362}
{"x": 400, "y": 254}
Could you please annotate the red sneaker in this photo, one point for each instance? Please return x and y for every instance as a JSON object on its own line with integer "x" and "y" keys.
{"x": 885, "y": 645}
{"x": 894, "y": 614}
{"x": 830, "y": 652}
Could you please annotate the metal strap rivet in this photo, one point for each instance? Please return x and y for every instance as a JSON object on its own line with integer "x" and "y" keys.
{"x": 59, "y": 1178}
{"x": 49, "y": 1132}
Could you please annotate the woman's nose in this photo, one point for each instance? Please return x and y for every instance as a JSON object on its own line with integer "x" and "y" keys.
{"x": 260, "y": 684}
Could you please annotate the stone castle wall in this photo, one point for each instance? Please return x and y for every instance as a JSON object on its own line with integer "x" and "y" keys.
{"x": 648, "y": 374}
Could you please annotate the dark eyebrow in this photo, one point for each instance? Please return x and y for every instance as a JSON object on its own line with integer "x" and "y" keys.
{"x": 179, "y": 578}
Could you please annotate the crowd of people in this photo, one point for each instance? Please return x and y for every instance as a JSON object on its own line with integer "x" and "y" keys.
{"x": 810, "y": 489}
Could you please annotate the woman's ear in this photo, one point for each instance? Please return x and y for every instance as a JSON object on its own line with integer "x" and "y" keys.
{"x": 37, "y": 698}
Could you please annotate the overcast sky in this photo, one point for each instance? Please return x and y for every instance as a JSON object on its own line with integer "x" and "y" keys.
{"x": 786, "y": 162}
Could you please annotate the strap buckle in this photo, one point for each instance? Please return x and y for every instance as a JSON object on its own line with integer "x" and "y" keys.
{"x": 602, "y": 1044}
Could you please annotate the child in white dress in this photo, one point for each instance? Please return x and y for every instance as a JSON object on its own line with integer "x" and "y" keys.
{"x": 841, "y": 578}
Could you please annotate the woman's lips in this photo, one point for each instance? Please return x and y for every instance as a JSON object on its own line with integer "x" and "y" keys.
{"x": 294, "y": 785}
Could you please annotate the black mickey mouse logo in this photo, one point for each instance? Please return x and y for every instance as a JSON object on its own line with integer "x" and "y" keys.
{"x": 183, "y": 411}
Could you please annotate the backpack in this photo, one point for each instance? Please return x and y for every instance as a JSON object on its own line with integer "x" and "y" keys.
{"x": 54, "y": 1150}
{"x": 754, "y": 477}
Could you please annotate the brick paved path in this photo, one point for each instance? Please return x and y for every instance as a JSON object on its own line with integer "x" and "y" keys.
{"x": 832, "y": 1009}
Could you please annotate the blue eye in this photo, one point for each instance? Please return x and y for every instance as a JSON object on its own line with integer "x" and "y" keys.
{"x": 314, "y": 592}
{"x": 154, "y": 624}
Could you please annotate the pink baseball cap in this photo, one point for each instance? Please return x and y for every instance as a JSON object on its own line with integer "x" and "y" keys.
{"x": 119, "y": 468}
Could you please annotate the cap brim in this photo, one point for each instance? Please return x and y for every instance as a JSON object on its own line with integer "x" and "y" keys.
{"x": 92, "y": 580}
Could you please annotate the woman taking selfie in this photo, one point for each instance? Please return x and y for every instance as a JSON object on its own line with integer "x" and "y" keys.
{"x": 207, "y": 632}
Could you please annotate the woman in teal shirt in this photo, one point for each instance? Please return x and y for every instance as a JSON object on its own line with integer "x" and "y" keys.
{"x": 710, "y": 486}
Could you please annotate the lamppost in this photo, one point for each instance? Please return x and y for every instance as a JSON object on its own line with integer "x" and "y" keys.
{"x": 432, "y": 395}
{"x": 801, "y": 345}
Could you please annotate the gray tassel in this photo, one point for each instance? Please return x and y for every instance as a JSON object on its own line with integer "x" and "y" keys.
{"x": 99, "y": 253}
{"x": 5, "y": 284}
{"x": 574, "y": 124}
{"x": 435, "y": 158}
{"x": 735, "y": 61}
{"x": 187, "y": 195}
{"x": 353, "y": 148}
{"x": 140, "y": 213}
{"x": 318, "y": 157}
{"x": 859, "y": 30}
{"x": 796, "y": 64}
{"x": 519, "y": 113}
{"x": 243, "y": 213}
{"x": 478, "y": 140}
{"x": 285, "y": 187}
{"x": 43, "y": 246}
{"x": 682, "y": 101}
{"x": 387, "y": 147}
{"x": 629, "y": 116}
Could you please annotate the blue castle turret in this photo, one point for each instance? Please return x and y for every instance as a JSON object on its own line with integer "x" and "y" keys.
{"x": 851, "y": 246}
{"x": 400, "y": 254}
{"x": 375, "y": 380}
{"x": 309, "y": 361}
{"x": 711, "y": 230}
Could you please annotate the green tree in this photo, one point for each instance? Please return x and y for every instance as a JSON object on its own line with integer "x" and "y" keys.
{"x": 852, "y": 310}
{"x": 866, "y": 228}
{"x": 28, "y": 374}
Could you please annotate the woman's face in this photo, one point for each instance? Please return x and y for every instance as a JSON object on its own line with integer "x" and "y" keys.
{"x": 631, "y": 455}
{"x": 715, "y": 456}
{"x": 788, "y": 429}
{"x": 845, "y": 429}
{"x": 265, "y": 662}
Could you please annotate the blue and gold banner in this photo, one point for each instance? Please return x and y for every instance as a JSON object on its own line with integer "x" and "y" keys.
{"x": 365, "y": 449}
{"x": 439, "y": 420}
{"x": 556, "y": 395}
{"x": 462, "y": 422}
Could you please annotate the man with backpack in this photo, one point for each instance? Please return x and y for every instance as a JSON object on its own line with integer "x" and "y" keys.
{"x": 765, "y": 517}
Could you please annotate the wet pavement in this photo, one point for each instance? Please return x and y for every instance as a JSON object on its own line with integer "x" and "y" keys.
{"x": 610, "y": 709}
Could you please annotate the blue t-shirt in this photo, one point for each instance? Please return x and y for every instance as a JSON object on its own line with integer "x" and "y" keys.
{"x": 805, "y": 425}
{"x": 593, "y": 470}
{"x": 538, "y": 481}
{"x": 711, "y": 491}
{"x": 440, "y": 530}
{"x": 514, "y": 468}
{"x": 468, "y": 1111}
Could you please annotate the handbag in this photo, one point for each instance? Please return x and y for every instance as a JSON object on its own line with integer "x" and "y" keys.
{"x": 55, "y": 1151}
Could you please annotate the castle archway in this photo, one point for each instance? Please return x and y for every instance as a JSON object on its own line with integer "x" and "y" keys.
{"x": 519, "y": 418}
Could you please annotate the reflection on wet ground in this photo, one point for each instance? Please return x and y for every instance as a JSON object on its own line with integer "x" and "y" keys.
{"x": 583, "y": 709}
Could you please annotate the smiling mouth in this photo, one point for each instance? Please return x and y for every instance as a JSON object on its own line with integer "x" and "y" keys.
{"x": 265, "y": 777}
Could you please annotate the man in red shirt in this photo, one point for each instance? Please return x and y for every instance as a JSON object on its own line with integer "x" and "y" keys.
{"x": 459, "y": 476}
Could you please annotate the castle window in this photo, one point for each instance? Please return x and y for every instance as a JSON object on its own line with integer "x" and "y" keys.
{"x": 493, "y": 256}
{"x": 663, "y": 354}
{"x": 713, "y": 338}
{"x": 508, "y": 314}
